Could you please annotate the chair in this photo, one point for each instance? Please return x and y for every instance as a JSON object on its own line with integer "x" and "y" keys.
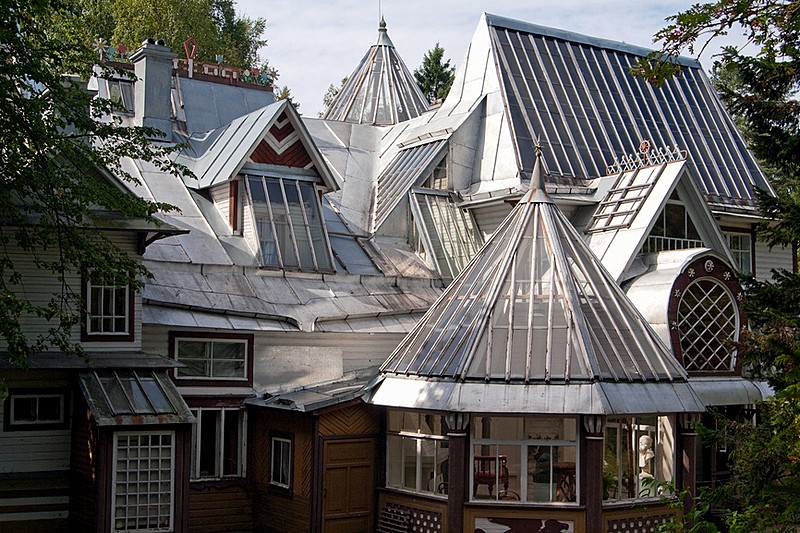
{"x": 486, "y": 472}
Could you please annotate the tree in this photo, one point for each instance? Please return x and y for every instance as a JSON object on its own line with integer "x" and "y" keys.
{"x": 330, "y": 95}
{"x": 285, "y": 93}
{"x": 435, "y": 76}
{"x": 214, "y": 24}
{"x": 56, "y": 148}
{"x": 760, "y": 91}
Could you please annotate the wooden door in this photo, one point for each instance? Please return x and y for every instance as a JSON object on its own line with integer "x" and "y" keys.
{"x": 349, "y": 485}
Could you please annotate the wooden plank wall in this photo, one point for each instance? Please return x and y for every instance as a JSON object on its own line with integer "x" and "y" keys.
{"x": 83, "y": 484}
{"x": 220, "y": 507}
{"x": 359, "y": 420}
{"x": 273, "y": 510}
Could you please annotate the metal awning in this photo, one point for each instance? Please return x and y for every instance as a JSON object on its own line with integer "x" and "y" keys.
{"x": 309, "y": 399}
{"x": 133, "y": 398}
{"x": 730, "y": 390}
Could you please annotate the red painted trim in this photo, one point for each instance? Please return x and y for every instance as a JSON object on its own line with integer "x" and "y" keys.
{"x": 233, "y": 205}
{"x": 106, "y": 337}
{"x": 195, "y": 382}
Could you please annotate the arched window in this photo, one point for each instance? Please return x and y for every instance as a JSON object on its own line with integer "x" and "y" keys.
{"x": 706, "y": 317}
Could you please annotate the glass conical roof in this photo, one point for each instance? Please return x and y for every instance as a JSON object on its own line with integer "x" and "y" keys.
{"x": 534, "y": 305}
{"x": 380, "y": 91}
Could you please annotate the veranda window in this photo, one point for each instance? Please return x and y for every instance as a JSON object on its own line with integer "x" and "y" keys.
{"x": 417, "y": 452}
{"x": 529, "y": 459}
{"x": 218, "y": 443}
{"x": 637, "y": 449}
{"x": 288, "y": 224}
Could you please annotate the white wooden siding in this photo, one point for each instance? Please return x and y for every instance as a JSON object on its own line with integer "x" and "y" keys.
{"x": 220, "y": 195}
{"x": 489, "y": 217}
{"x": 766, "y": 260}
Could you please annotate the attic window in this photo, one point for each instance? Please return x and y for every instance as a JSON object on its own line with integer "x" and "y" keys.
{"x": 121, "y": 93}
{"x": 673, "y": 229}
{"x": 288, "y": 225}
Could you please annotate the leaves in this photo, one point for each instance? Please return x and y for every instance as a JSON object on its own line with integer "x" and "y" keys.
{"x": 435, "y": 76}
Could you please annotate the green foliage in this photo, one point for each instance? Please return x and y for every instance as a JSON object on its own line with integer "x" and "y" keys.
{"x": 689, "y": 518}
{"x": 285, "y": 93}
{"x": 330, "y": 95}
{"x": 435, "y": 76}
{"x": 56, "y": 153}
{"x": 214, "y": 24}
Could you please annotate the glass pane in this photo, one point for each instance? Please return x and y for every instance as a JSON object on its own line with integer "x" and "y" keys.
{"x": 394, "y": 461}
{"x": 410, "y": 463}
{"x": 228, "y": 350}
{"x": 675, "y": 221}
{"x": 257, "y": 191}
{"x": 230, "y": 443}
{"x": 209, "y": 437}
{"x": 50, "y": 408}
{"x": 228, "y": 369}
{"x": 24, "y": 409}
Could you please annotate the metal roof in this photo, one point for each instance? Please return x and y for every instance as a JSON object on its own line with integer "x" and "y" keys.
{"x": 380, "y": 91}
{"x": 535, "y": 307}
{"x": 133, "y": 397}
{"x": 95, "y": 360}
{"x": 577, "y": 95}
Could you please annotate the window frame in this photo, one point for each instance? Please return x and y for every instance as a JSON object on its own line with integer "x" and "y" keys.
{"x": 287, "y": 439}
{"x": 9, "y": 424}
{"x": 87, "y": 335}
{"x": 288, "y": 239}
{"x": 204, "y": 336}
{"x": 219, "y": 443}
{"x": 742, "y": 232}
{"x": 115, "y": 473}
{"x": 420, "y": 438}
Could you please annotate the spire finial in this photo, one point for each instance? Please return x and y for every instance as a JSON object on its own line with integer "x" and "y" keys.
{"x": 382, "y": 25}
{"x": 537, "y": 175}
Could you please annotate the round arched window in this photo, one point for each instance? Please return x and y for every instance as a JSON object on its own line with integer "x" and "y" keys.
{"x": 706, "y": 316}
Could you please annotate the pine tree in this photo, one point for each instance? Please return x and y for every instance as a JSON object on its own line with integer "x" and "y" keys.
{"x": 435, "y": 76}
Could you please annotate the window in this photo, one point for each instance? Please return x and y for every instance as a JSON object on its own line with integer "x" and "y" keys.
{"x": 121, "y": 93}
{"x": 637, "y": 449}
{"x": 529, "y": 459}
{"x": 417, "y": 452}
{"x": 143, "y": 481}
{"x": 218, "y": 443}
{"x": 741, "y": 246}
{"x": 34, "y": 410}
{"x": 281, "y": 461}
{"x": 438, "y": 178}
{"x": 673, "y": 229}
{"x": 212, "y": 358}
{"x": 288, "y": 224}
{"x": 708, "y": 326}
{"x": 109, "y": 312}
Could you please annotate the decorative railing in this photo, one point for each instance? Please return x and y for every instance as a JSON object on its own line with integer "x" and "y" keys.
{"x": 646, "y": 157}
{"x": 656, "y": 243}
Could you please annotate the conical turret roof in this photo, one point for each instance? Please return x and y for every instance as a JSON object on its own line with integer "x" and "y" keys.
{"x": 536, "y": 309}
{"x": 380, "y": 91}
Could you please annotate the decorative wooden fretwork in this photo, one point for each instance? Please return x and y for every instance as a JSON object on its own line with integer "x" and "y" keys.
{"x": 282, "y": 146}
{"x": 646, "y": 157}
{"x": 395, "y": 518}
{"x": 639, "y": 524}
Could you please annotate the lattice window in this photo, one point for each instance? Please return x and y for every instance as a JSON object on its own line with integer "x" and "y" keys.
{"x": 708, "y": 324}
{"x": 143, "y": 481}
{"x": 108, "y": 309}
{"x": 623, "y": 201}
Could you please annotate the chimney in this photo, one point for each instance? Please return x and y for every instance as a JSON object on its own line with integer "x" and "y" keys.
{"x": 152, "y": 102}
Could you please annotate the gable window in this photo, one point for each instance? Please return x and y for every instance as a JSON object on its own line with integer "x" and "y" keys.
{"x": 281, "y": 462}
{"x": 673, "y": 229}
{"x": 288, "y": 224}
{"x": 741, "y": 247}
{"x": 218, "y": 443}
{"x": 108, "y": 313}
{"x": 120, "y": 92}
{"x": 142, "y": 489}
{"x": 34, "y": 410}
{"x": 417, "y": 452}
{"x": 211, "y": 358}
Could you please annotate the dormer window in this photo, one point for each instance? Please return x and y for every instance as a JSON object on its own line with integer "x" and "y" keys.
{"x": 288, "y": 224}
{"x": 121, "y": 93}
{"x": 673, "y": 229}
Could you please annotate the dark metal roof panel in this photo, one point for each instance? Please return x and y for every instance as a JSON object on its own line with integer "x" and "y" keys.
{"x": 577, "y": 94}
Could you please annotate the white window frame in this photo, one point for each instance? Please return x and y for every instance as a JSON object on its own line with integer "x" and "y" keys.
{"x": 113, "y": 316}
{"x": 285, "y": 446}
{"x": 13, "y": 397}
{"x": 420, "y": 440}
{"x": 219, "y": 446}
{"x": 115, "y": 472}
{"x": 210, "y": 341}
{"x": 739, "y": 252}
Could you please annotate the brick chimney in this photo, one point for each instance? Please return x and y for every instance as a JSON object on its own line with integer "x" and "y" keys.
{"x": 152, "y": 102}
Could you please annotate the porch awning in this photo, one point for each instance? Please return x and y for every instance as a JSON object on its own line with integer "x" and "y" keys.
{"x": 730, "y": 391}
{"x": 133, "y": 398}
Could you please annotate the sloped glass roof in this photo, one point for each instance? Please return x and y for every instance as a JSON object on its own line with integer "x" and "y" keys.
{"x": 380, "y": 91}
{"x": 576, "y": 93}
{"x": 534, "y": 305}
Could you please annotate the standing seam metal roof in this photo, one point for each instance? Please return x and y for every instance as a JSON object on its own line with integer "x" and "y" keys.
{"x": 577, "y": 94}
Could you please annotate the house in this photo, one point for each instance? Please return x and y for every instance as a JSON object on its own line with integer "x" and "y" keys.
{"x": 449, "y": 316}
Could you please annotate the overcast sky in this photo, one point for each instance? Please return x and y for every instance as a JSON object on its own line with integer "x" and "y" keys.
{"x": 314, "y": 43}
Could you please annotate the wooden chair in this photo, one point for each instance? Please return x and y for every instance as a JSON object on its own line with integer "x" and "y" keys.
{"x": 489, "y": 470}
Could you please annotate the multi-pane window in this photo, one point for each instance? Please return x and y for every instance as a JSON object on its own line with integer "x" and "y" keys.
{"x": 121, "y": 93}
{"x": 224, "y": 359}
{"x": 741, "y": 247}
{"x": 673, "y": 229}
{"x": 218, "y": 443}
{"x": 529, "y": 459}
{"x": 35, "y": 410}
{"x": 638, "y": 452}
{"x": 708, "y": 325}
{"x": 290, "y": 230}
{"x": 108, "y": 310}
{"x": 281, "y": 455}
{"x": 143, "y": 487}
{"x": 417, "y": 457}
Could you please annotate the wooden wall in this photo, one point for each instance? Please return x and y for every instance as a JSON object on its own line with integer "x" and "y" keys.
{"x": 220, "y": 507}
{"x": 273, "y": 510}
{"x": 83, "y": 477}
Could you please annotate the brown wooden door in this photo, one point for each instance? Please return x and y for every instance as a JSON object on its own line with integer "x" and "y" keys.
{"x": 349, "y": 479}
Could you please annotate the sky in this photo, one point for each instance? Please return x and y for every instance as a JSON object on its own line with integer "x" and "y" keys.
{"x": 314, "y": 43}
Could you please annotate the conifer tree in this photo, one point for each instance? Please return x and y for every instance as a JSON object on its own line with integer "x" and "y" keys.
{"x": 435, "y": 76}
